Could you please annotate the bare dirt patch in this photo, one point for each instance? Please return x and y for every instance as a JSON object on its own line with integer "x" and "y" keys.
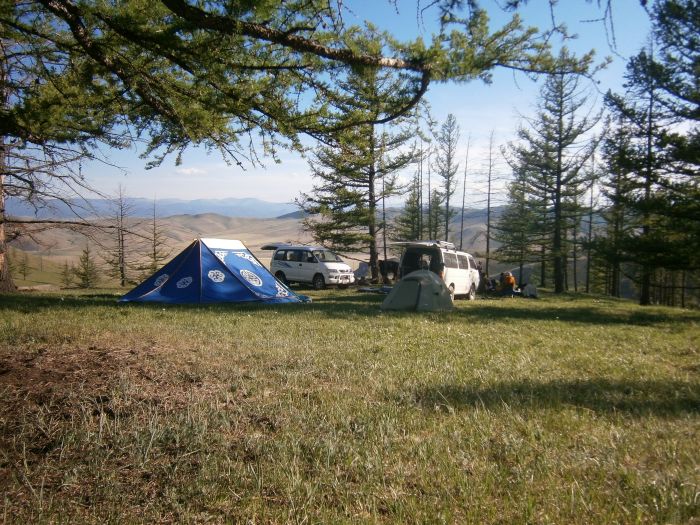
{"x": 52, "y": 380}
{"x": 69, "y": 407}
{"x": 52, "y": 372}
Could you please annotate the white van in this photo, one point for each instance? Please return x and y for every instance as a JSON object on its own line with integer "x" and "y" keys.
{"x": 314, "y": 265}
{"x": 458, "y": 269}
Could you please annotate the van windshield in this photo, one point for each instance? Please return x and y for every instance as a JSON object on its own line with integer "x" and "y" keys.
{"x": 326, "y": 256}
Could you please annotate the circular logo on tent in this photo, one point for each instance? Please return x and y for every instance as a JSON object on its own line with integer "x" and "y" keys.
{"x": 251, "y": 278}
{"x": 216, "y": 276}
{"x": 248, "y": 257}
{"x": 184, "y": 282}
{"x": 161, "y": 280}
{"x": 281, "y": 290}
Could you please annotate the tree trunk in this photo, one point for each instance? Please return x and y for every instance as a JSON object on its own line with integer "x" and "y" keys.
{"x": 574, "y": 258}
{"x": 488, "y": 221}
{"x": 543, "y": 265}
{"x": 645, "y": 292}
{"x": 464, "y": 196}
{"x": 683, "y": 285}
{"x": 420, "y": 193}
{"x": 430, "y": 204}
{"x": 521, "y": 266}
{"x": 6, "y": 283}
{"x": 372, "y": 202}
{"x": 589, "y": 258}
{"x": 556, "y": 241}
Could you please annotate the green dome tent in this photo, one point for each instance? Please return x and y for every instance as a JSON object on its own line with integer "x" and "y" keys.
{"x": 420, "y": 291}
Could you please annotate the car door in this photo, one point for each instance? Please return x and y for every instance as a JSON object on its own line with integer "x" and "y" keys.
{"x": 465, "y": 270}
{"x": 293, "y": 269}
{"x": 308, "y": 266}
{"x": 454, "y": 276}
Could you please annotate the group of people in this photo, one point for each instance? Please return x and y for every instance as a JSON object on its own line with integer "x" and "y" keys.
{"x": 507, "y": 286}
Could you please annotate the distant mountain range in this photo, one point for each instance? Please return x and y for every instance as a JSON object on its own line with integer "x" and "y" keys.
{"x": 251, "y": 208}
{"x": 222, "y": 217}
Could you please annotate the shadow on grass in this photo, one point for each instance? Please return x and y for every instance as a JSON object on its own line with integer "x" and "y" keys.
{"x": 340, "y": 305}
{"x": 603, "y": 396}
{"x": 34, "y": 301}
{"x": 577, "y": 313}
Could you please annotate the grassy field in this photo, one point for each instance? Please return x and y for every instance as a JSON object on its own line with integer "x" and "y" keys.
{"x": 557, "y": 410}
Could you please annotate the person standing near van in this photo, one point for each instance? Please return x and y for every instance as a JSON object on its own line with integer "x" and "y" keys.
{"x": 482, "y": 277}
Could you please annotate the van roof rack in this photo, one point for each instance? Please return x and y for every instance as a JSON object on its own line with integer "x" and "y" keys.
{"x": 441, "y": 244}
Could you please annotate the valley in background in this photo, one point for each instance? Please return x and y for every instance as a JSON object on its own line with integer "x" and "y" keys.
{"x": 47, "y": 252}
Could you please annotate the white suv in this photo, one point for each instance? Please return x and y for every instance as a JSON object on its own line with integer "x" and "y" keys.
{"x": 314, "y": 265}
{"x": 458, "y": 269}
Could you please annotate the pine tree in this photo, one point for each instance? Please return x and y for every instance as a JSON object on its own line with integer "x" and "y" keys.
{"x": 117, "y": 257}
{"x": 642, "y": 118}
{"x": 407, "y": 225}
{"x": 158, "y": 250}
{"x": 23, "y": 266}
{"x": 464, "y": 197}
{"x": 67, "y": 275}
{"x": 356, "y": 169}
{"x": 446, "y": 167}
{"x": 550, "y": 155}
{"x": 489, "y": 195}
{"x": 608, "y": 244}
{"x": 87, "y": 271}
{"x": 436, "y": 214}
{"x": 516, "y": 228}
{"x": 676, "y": 32}
{"x": 653, "y": 215}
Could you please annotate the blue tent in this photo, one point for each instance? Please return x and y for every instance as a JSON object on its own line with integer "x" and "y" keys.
{"x": 213, "y": 271}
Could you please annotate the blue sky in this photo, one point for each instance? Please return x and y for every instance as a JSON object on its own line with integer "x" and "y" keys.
{"x": 480, "y": 109}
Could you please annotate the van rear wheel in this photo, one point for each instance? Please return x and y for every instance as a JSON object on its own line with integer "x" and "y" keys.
{"x": 472, "y": 293}
{"x": 318, "y": 282}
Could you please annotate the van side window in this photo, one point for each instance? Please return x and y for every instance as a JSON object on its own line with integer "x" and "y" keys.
{"x": 472, "y": 263}
{"x": 450, "y": 259}
{"x": 463, "y": 261}
{"x": 280, "y": 255}
{"x": 294, "y": 255}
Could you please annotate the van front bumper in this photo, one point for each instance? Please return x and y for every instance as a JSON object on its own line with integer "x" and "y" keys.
{"x": 341, "y": 279}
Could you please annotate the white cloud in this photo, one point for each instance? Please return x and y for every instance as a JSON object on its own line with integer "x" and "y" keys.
{"x": 191, "y": 171}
